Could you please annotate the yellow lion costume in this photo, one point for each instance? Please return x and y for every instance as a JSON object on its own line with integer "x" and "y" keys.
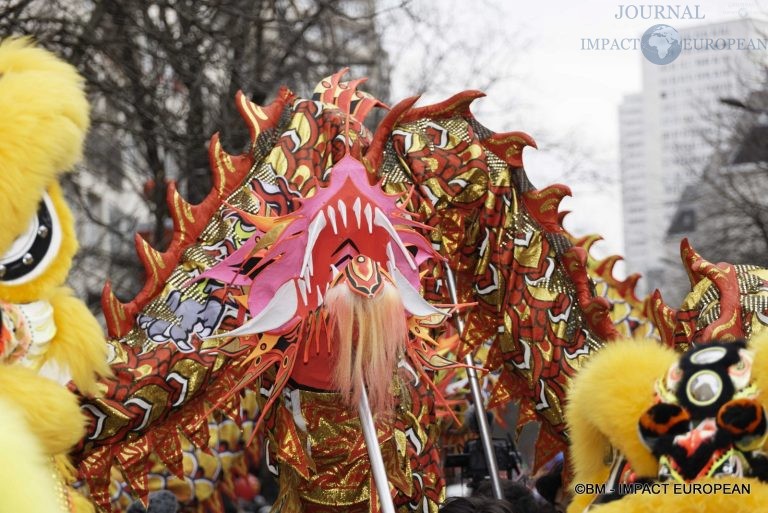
{"x": 654, "y": 428}
{"x": 47, "y": 337}
{"x": 633, "y": 429}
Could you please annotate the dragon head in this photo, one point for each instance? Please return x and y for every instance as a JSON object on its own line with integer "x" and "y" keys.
{"x": 350, "y": 254}
{"x": 315, "y": 243}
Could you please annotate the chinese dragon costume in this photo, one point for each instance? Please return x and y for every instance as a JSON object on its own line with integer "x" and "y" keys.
{"x": 314, "y": 269}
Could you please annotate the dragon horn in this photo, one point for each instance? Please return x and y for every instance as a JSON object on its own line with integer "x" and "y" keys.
{"x": 663, "y": 316}
{"x": 692, "y": 262}
{"x": 375, "y": 154}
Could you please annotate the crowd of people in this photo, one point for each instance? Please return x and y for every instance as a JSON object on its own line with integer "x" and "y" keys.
{"x": 544, "y": 494}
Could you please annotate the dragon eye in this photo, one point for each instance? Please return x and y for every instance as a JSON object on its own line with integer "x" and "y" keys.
{"x": 32, "y": 251}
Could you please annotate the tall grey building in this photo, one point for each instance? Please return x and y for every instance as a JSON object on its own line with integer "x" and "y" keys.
{"x": 667, "y": 132}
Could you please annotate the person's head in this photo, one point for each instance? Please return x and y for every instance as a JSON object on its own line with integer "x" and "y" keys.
{"x": 518, "y": 495}
{"x": 475, "y": 504}
{"x": 159, "y": 502}
{"x": 550, "y": 487}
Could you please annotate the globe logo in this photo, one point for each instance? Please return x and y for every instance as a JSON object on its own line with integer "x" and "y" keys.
{"x": 661, "y": 44}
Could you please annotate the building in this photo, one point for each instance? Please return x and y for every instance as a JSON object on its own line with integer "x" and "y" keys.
{"x": 725, "y": 214}
{"x": 667, "y": 133}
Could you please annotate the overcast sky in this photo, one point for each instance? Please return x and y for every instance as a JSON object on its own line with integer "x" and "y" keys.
{"x": 567, "y": 98}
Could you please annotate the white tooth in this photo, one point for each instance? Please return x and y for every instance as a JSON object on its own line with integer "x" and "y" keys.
{"x": 303, "y": 290}
{"x": 390, "y": 257}
{"x": 412, "y": 300}
{"x": 334, "y": 271}
{"x": 379, "y": 219}
{"x": 315, "y": 227}
{"x": 332, "y": 217}
{"x": 368, "y": 216}
{"x": 319, "y": 296}
{"x": 343, "y": 212}
{"x": 356, "y": 208}
{"x": 280, "y": 309}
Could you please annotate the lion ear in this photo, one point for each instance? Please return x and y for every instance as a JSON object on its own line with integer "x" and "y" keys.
{"x": 42, "y": 129}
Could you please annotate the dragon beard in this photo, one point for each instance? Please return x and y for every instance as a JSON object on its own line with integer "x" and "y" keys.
{"x": 370, "y": 335}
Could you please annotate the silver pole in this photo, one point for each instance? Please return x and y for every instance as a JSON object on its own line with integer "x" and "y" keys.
{"x": 374, "y": 453}
{"x": 477, "y": 399}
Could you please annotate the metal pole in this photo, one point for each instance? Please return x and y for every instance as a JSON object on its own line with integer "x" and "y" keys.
{"x": 477, "y": 399}
{"x": 374, "y": 453}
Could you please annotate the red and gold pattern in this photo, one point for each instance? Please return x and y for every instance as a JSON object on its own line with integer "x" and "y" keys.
{"x": 631, "y": 316}
{"x": 500, "y": 235}
{"x": 507, "y": 247}
{"x": 726, "y": 302}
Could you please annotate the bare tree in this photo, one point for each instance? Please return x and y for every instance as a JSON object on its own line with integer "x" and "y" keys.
{"x": 724, "y": 213}
{"x": 162, "y": 76}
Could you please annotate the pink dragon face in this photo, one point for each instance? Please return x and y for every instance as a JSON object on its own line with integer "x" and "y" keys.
{"x": 341, "y": 222}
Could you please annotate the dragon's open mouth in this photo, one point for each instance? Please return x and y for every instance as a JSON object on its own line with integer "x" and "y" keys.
{"x": 348, "y": 218}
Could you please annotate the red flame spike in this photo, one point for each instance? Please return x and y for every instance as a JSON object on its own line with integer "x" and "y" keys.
{"x": 151, "y": 259}
{"x": 690, "y": 258}
{"x": 458, "y": 104}
{"x": 133, "y": 459}
{"x": 543, "y": 205}
{"x": 189, "y": 220}
{"x": 587, "y": 241}
{"x": 373, "y": 157}
{"x": 663, "y": 317}
{"x": 181, "y": 214}
{"x": 259, "y": 118}
{"x": 167, "y": 445}
{"x": 596, "y": 309}
{"x": 222, "y": 166}
{"x": 118, "y": 320}
{"x": 605, "y": 267}
{"x": 627, "y": 287}
{"x": 509, "y": 146}
{"x": 96, "y": 472}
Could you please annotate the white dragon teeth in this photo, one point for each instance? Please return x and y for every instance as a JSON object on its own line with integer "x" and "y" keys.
{"x": 303, "y": 290}
{"x": 280, "y": 309}
{"x": 356, "y": 209}
{"x": 379, "y": 219}
{"x": 369, "y": 217}
{"x": 343, "y": 212}
{"x": 315, "y": 227}
{"x": 332, "y": 218}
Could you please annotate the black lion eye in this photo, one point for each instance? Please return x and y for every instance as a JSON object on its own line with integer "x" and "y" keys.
{"x": 34, "y": 248}
{"x": 661, "y": 420}
{"x": 742, "y": 418}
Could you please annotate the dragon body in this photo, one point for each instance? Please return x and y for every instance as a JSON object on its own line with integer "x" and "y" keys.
{"x": 238, "y": 301}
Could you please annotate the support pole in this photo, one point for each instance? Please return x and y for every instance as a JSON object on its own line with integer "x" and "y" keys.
{"x": 374, "y": 453}
{"x": 477, "y": 399}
